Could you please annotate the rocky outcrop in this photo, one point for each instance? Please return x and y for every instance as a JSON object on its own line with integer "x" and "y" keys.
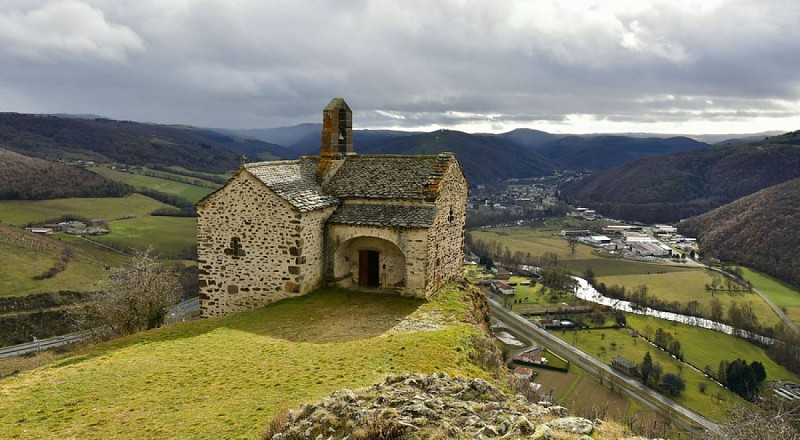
{"x": 428, "y": 406}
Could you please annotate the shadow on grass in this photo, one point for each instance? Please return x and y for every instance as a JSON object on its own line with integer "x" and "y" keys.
{"x": 323, "y": 316}
{"x": 328, "y": 315}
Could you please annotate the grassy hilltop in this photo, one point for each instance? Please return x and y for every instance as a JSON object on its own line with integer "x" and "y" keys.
{"x": 227, "y": 377}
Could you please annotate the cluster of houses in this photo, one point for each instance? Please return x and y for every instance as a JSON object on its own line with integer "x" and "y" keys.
{"x": 74, "y": 227}
{"x": 523, "y": 361}
{"x": 585, "y": 214}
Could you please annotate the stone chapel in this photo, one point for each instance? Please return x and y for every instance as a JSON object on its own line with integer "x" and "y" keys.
{"x": 284, "y": 228}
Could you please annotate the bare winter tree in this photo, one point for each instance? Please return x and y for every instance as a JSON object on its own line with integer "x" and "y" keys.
{"x": 771, "y": 419}
{"x": 136, "y": 297}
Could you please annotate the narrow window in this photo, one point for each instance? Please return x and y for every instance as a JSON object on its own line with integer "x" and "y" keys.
{"x": 342, "y": 130}
{"x": 450, "y": 217}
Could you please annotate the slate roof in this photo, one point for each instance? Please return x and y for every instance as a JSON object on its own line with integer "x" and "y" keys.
{"x": 294, "y": 181}
{"x": 379, "y": 176}
{"x": 384, "y": 215}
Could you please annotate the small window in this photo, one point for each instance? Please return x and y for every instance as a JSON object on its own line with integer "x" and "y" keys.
{"x": 235, "y": 250}
{"x": 450, "y": 217}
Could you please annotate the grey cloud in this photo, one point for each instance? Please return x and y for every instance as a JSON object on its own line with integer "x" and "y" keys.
{"x": 250, "y": 63}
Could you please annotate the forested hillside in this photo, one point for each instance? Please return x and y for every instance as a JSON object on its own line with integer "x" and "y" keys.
{"x": 602, "y": 152}
{"x": 669, "y": 188}
{"x": 132, "y": 143}
{"x": 27, "y": 178}
{"x": 759, "y": 230}
{"x": 485, "y": 159}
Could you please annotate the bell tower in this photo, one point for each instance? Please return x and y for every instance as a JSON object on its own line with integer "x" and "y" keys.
{"x": 337, "y": 129}
{"x": 337, "y": 138}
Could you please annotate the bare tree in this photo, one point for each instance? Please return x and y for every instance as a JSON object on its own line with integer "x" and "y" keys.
{"x": 135, "y": 297}
{"x": 572, "y": 242}
{"x": 769, "y": 419}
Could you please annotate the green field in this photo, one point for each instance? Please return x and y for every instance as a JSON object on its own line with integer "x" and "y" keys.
{"x": 171, "y": 237}
{"x": 687, "y": 285}
{"x": 539, "y": 241}
{"x": 703, "y": 347}
{"x": 20, "y": 266}
{"x": 783, "y": 295}
{"x": 605, "y": 344}
{"x": 23, "y": 212}
{"x": 227, "y": 377}
{"x": 185, "y": 190}
{"x": 667, "y": 281}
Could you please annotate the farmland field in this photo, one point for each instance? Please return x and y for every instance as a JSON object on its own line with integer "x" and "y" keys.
{"x": 171, "y": 237}
{"x": 667, "y": 281}
{"x": 538, "y": 241}
{"x": 20, "y": 266}
{"x": 605, "y": 344}
{"x": 688, "y": 285}
{"x": 22, "y": 212}
{"x": 703, "y": 347}
{"x": 785, "y": 296}
{"x": 185, "y": 190}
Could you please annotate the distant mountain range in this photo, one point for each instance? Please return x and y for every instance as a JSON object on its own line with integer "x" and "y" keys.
{"x": 758, "y": 230}
{"x": 677, "y": 186}
{"x": 133, "y": 143}
{"x": 489, "y": 158}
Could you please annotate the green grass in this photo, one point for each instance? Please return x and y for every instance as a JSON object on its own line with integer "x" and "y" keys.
{"x": 667, "y": 282}
{"x": 187, "y": 191}
{"x": 200, "y": 173}
{"x": 634, "y": 349}
{"x": 703, "y": 347}
{"x": 169, "y": 236}
{"x": 20, "y": 266}
{"x": 22, "y": 212}
{"x": 783, "y": 295}
{"x": 539, "y": 241}
{"x": 227, "y": 377}
{"x": 688, "y": 285}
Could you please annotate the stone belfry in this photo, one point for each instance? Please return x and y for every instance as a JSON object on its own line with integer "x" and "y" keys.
{"x": 337, "y": 136}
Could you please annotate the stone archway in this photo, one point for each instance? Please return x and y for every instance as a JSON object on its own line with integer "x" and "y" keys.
{"x": 369, "y": 262}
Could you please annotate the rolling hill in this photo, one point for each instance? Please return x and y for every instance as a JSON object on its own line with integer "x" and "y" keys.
{"x": 27, "y": 178}
{"x": 593, "y": 153}
{"x": 759, "y": 230}
{"x": 669, "y": 188}
{"x": 485, "y": 159}
{"x": 127, "y": 142}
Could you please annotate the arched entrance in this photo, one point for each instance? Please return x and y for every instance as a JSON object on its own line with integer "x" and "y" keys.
{"x": 370, "y": 262}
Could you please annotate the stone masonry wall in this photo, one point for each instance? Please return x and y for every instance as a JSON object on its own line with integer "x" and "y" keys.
{"x": 446, "y": 237}
{"x": 254, "y": 248}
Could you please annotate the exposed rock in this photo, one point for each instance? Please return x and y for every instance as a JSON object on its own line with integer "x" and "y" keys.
{"x": 418, "y": 406}
{"x": 572, "y": 424}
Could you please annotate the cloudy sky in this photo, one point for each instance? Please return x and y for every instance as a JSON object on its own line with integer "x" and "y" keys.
{"x": 669, "y": 66}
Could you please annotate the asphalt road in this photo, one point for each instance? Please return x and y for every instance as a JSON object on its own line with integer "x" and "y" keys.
{"x": 185, "y": 308}
{"x": 677, "y": 413}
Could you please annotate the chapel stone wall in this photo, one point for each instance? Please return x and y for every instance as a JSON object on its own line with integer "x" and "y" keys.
{"x": 446, "y": 236}
{"x": 254, "y": 248}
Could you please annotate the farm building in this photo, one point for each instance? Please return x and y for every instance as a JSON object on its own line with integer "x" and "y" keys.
{"x": 503, "y": 288}
{"x": 284, "y": 228}
{"x": 575, "y": 233}
{"x": 524, "y": 373}
{"x": 619, "y": 363}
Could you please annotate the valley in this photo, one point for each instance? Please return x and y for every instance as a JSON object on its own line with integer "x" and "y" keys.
{"x": 519, "y": 207}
